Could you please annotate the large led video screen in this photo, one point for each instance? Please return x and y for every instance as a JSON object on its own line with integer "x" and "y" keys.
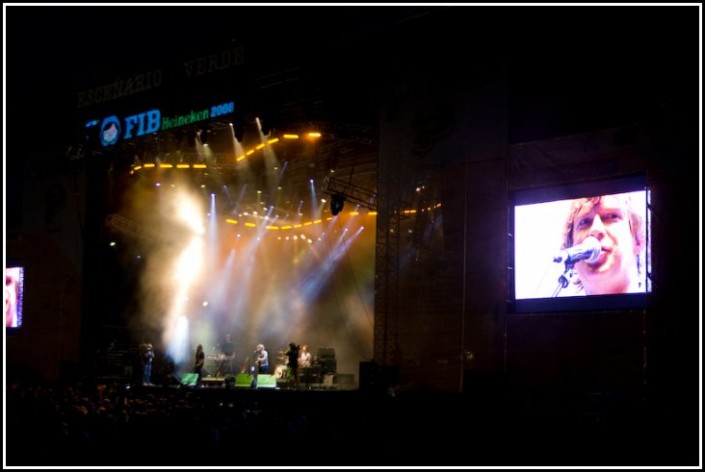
{"x": 14, "y": 296}
{"x": 581, "y": 247}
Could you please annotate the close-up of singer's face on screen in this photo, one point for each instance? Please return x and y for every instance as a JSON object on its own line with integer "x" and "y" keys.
{"x": 13, "y": 297}
{"x": 585, "y": 246}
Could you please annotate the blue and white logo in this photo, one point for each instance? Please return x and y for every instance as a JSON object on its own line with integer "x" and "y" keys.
{"x": 110, "y": 131}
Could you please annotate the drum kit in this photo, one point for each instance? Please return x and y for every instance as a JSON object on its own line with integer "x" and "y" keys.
{"x": 307, "y": 375}
{"x": 281, "y": 370}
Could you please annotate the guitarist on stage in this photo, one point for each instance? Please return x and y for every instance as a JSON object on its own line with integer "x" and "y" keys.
{"x": 198, "y": 363}
{"x": 261, "y": 362}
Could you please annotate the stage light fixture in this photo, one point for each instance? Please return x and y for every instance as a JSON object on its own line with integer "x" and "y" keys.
{"x": 336, "y": 204}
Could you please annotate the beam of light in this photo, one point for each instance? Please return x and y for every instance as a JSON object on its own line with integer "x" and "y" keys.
{"x": 268, "y": 217}
{"x": 249, "y": 298}
{"x": 211, "y": 213}
{"x": 238, "y": 202}
{"x": 203, "y": 325}
{"x": 187, "y": 211}
{"x": 228, "y": 196}
{"x": 200, "y": 150}
{"x": 321, "y": 208}
{"x": 243, "y": 283}
{"x": 188, "y": 265}
{"x": 218, "y": 289}
{"x": 313, "y": 284}
{"x": 271, "y": 163}
{"x": 278, "y": 183}
{"x": 262, "y": 136}
{"x": 238, "y": 150}
{"x": 266, "y": 223}
{"x": 177, "y": 342}
{"x": 187, "y": 269}
{"x": 315, "y": 210}
{"x": 213, "y": 239}
{"x": 282, "y": 171}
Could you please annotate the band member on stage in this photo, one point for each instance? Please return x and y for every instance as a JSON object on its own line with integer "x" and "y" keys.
{"x": 292, "y": 355}
{"x": 261, "y": 363}
{"x": 147, "y": 358}
{"x": 199, "y": 361}
{"x": 261, "y": 360}
{"x": 228, "y": 351}
{"x": 304, "y": 357}
{"x": 228, "y": 346}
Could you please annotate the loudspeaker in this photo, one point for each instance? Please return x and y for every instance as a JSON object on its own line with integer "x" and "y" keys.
{"x": 263, "y": 381}
{"x": 328, "y": 365}
{"x": 326, "y": 353}
{"x": 189, "y": 378}
{"x": 243, "y": 380}
{"x": 266, "y": 381}
{"x": 311, "y": 375}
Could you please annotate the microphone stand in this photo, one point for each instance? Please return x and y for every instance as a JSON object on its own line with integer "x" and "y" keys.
{"x": 563, "y": 279}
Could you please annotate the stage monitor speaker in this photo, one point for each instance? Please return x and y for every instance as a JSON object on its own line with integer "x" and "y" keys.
{"x": 263, "y": 381}
{"x": 189, "y": 378}
{"x": 243, "y": 380}
{"x": 266, "y": 381}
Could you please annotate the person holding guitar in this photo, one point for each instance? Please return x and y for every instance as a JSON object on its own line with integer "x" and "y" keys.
{"x": 262, "y": 359}
{"x": 261, "y": 363}
{"x": 198, "y": 363}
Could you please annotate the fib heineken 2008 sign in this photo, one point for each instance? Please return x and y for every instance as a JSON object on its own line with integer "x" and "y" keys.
{"x": 113, "y": 128}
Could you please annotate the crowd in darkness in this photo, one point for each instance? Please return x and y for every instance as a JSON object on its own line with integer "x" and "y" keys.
{"x": 120, "y": 425}
{"x": 106, "y": 425}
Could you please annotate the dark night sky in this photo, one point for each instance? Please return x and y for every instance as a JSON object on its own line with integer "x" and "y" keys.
{"x": 589, "y": 67}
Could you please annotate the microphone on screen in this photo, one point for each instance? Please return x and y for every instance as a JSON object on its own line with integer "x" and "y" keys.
{"x": 589, "y": 250}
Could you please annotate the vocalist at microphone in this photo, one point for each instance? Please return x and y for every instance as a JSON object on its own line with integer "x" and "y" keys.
{"x": 588, "y": 250}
